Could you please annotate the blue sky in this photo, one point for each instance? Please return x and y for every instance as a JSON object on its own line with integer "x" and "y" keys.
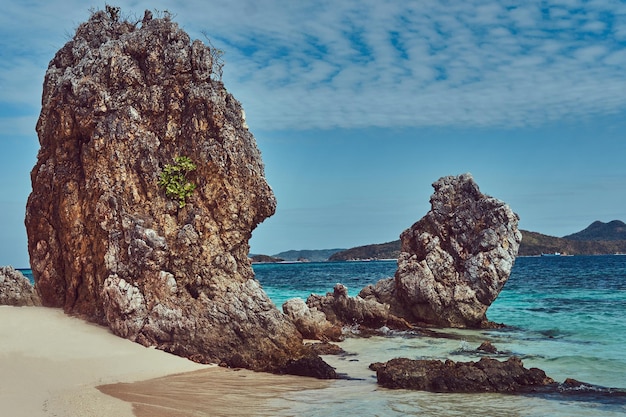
{"x": 358, "y": 106}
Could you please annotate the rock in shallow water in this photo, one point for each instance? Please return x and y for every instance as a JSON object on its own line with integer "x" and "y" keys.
{"x": 120, "y": 102}
{"x": 486, "y": 375}
{"x": 455, "y": 260}
{"x": 454, "y": 263}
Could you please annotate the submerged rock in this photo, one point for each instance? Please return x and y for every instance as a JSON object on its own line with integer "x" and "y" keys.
{"x": 486, "y": 375}
{"x": 487, "y": 347}
{"x": 163, "y": 267}
{"x": 16, "y": 289}
{"x": 455, "y": 260}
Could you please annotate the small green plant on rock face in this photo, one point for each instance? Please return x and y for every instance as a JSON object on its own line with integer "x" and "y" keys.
{"x": 173, "y": 180}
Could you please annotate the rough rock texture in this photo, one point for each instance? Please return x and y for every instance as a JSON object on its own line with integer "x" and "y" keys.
{"x": 120, "y": 101}
{"x": 455, "y": 260}
{"x": 326, "y": 348}
{"x": 342, "y": 310}
{"x": 311, "y": 322}
{"x": 486, "y": 375}
{"x": 15, "y": 289}
{"x": 312, "y": 366}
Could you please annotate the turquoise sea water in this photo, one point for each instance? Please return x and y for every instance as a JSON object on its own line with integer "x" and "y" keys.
{"x": 565, "y": 315}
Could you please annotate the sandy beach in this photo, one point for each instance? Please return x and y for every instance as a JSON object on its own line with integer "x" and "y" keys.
{"x": 52, "y": 365}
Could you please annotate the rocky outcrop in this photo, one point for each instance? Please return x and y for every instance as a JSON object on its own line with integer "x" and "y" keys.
{"x": 486, "y": 375}
{"x": 311, "y": 322}
{"x": 455, "y": 260}
{"x": 342, "y": 310}
{"x": 16, "y": 289}
{"x": 163, "y": 267}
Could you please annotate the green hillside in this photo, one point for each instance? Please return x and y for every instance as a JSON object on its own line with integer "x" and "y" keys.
{"x": 592, "y": 241}
{"x": 314, "y": 255}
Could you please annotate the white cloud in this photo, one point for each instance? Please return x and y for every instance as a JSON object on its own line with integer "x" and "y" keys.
{"x": 376, "y": 63}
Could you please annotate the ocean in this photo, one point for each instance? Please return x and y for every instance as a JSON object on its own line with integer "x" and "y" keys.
{"x": 564, "y": 314}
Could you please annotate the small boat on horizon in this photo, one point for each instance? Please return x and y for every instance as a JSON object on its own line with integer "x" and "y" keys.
{"x": 551, "y": 254}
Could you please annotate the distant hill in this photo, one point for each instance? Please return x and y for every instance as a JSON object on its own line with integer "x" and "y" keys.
{"x": 389, "y": 250}
{"x": 603, "y": 239}
{"x": 535, "y": 244}
{"x": 614, "y": 230}
{"x": 259, "y": 259}
{"x": 319, "y": 255}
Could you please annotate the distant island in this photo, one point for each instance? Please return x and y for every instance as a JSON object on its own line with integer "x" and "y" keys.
{"x": 304, "y": 255}
{"x": 597, "y": 239}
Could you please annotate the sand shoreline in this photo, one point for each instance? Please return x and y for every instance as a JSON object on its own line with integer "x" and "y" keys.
{"x": 51, "y": 365}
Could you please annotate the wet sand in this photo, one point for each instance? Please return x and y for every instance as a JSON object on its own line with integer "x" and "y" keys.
{"x": 52, "y": 364}
{"x": 211, "y": 392}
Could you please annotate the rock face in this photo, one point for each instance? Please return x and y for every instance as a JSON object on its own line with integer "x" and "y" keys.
{"x": 341, "y": 310}
{"x": 455, "y": 260}
{"x": 486, "y": 375}
{"x": 311, "y": 322}
{"x": 15, "y": 289}
{"x": 120, "y": 102}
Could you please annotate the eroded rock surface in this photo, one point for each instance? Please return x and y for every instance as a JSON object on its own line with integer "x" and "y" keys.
{"x": 342, "y": 310}
{"x": 16, "y": 289}
{"x": 120, "y": 102}
{"x": 455, "y": 260}
{"x": 311, "y": 322}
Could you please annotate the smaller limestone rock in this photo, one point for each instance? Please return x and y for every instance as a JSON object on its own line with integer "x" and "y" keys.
{"x": 455, "y": 260}
{"x": 16, "y": 289}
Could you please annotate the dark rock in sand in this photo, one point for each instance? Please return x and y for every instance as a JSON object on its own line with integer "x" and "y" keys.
{"x": 312, "y": 366}
{"x": 325, "y": 348}
{"x": 120, "y": 101}
{"x": 455, "y": 260}
{"x": 486, "y": 375}
{"x": 16, "y": 289}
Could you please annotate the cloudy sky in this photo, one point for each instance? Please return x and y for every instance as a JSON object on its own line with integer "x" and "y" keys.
{"x": 358, "y": 106}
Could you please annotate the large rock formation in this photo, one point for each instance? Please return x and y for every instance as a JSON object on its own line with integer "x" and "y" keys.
{"x": 16, "y": 289}
{"x": 120, "y": 102}
{"x": 455, "y": 260}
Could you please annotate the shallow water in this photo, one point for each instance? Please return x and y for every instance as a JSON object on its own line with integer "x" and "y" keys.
{"x": 566, "y": 315}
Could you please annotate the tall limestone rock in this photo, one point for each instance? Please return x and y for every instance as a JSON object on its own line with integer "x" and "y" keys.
{"x": 120, "y": 102}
